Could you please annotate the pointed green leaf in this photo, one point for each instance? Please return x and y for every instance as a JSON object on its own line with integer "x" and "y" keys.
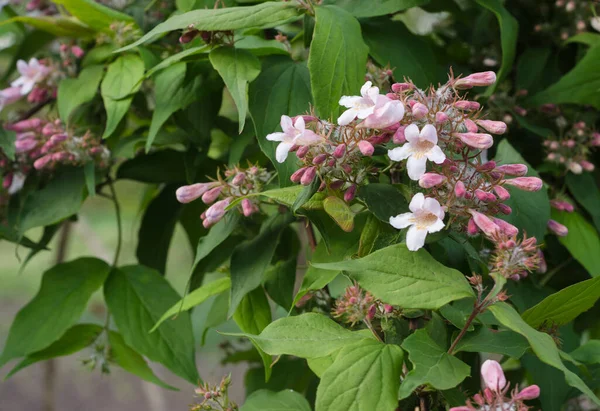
{"x": 582, "y": 241}
{"x": 95, "y": 15}
{"x": 492, "y": 341}
{"x": 265, "y": 400}
{"x": 73, "y": 92}
{"x": 585, "y": 190}
{"x": 375, "y": 7}
{"x": 340, "y": 211}
{"x": 7, "y": 143}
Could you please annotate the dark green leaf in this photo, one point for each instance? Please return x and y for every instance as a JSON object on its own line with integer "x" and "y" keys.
{"x": 279, "y": 282}
{"x": 95, "y": 15}
{"x": 582, "y": 241}
{"x": 164, "y": 166}
{"x": 491, "y": 341}
{"x": 375, "y": 7}
{"x": 306, "y": 194}
{"x": 586, "y": 192}
{"x": 7, "y": 143}
{"x": 588, "y": 353}
{"x": 530, "y": 68}
{"x": 383, "y": 200}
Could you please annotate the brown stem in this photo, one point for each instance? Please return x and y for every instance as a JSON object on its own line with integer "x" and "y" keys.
{"x": 476, "y": 311}
{"x": 33, "y": 110}
{"x": 310, "y": 233}
{"x": 423, "y": 403}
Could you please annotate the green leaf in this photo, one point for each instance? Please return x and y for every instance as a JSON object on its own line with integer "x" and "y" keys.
{"x": 279, "y": 282}
{"x": 72, "y": 93}
{"x": 410, "y": 279}
{"x": 432, "y": 365}
{"x": 265, "y": 400}
{"x": 264, "y": 15}
{"x": 340, "y": 211}
{"x": 588, "y": 38}
{"x": 565, "y": 305}
{"x": 59, "y": 26}
{"x": 251, "y": 258}
{"x": 64, "y": 293}
{"x": 307, "y": 335}
{"x": 260, "y": 46}
{"x": 492, "y": 341}
{"x": 530, "y": 68}
{"x": 98, "y": 55}
{"x": 281, "y": 88}
{"x": 337, "y": 59}
{"x": 137, "y": 298}
{"x": 383, "y": 200}
{"x": 582, "y": 241}
{"x": 7, "y": 143}
{"x": 74, "y": 339}
{"x": 530, "y": 210}
{"x": 578, "y": 86}
{"x": 509, "y": 30}
{"x": 306, "y": 194}
{"x": 196, "y": 297}
{"x": 238, "y": 68}
{"x": 217, "y": 234}
{"x": 588, "y": 353}
{"x": 95, "y": 15}
{"x": 368, "y": 236}
{"x": 375, "y": 8}
{"x": 164, "y": 166}
{"x": 585, "y": 190}
{"x": 123, "y": 77}
{"x": 115, "y": 111}
{"x": 128, "y": 359}
{"x": 542, "y": 345}
{"x": 171, "y": 60}
{"x": 365, "y": 375}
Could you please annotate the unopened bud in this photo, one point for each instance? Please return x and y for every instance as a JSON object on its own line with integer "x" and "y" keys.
{"x": 308, "y": 176}
{"x": 476, "y": 140}
{"x": 504, "y": 209}
{"x": 528, "y": 393}
{"x": 557, "y": 228}
{"x": 399, "y": 137}
{"x": 366, "y": 148}
{"x": 472, "y": 228}
{"x": 186, "y": 194}
{"x": 513, "y": 169}
{"x": 429, "y": 180}
{"x": 350, "y": 193}
{"x": 484, "y": 223}
{"x": 24, "y": 125}
{"x": 441, "y": 117}
{"x": 467, "y": 105}
{"x": 41, "y": 162}
{"x": 562, "y": 205}
{"x": 248, "y": 208}
{"x": 493, "y": 376}
{"x": 211, "y": 195}
{"x": 494, "y": 127}
{"x": 587, "y": 166}
{"x": 507, "y": 228}
{"x": 419, "y": 110}
{"x": 459, "y": 189}
{"x": 372, "y": 311}
{"x": 77, "y": 51}
{"x": 400, "y": 87}
{"x": 388, "y": 308}
{"x": 480, "y": 79}
{"x": 339, "y": 151}
{"x": 337, "y": 184}
{"x": 471, "y": 126}
{"x": 320, "y": 159}
{"x": 238, "y": 179}
{"x": 301, "y": 152}
{"x": 525, "y": 183}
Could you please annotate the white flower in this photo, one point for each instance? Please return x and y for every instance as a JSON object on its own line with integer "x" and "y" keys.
{"x": 293, "y": 134}
{"x": 31, "y": 74}
{"x": 595, "y": 22}
{"x": 426, "y": 216}
{"x": 420, "y": 147}
{"x": 359, "y": 106}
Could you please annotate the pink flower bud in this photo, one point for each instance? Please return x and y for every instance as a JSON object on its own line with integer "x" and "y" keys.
{"x": 429, "y": 180}
{"x": 24, "y": 145}
{"x": 419, "y": 110}
{"x": 488, "y": 394}
{"x": 339, "y": 151}
{"x": 77, "y": 51}
{"x": 24, "y": 125}
{"x": 574, "y": 167}
{"x": 467, "y": 105}
{"x": 399, "y": 137}
{"x": 238, "y": 179}
{"x": 478, "y": 398}
{"x": 400, "y": 87}
{"x": 562, "y": 205}
{"x": 459, "y": 189}
{"x": 525, "y": 183}
{"x": 388, "y": 308}
{"x": 569, "y": 143}
{"x": 481, "y": 195}
{"x": 320, "y": 159}
{"x": 350, "y": 193}
{"x": 528, "y": 393}
{"x": 248, "y": 208}
{"x": 494, "y": 127}
{"x": 308, "y": 176}
{"x": 471, "y": 126}
{"x": 372, "y": 311}
{"x": 504, "y": 209}
{"x": 211, "y": 195}
{"x": 462, "y": 408}
{"x": 58, "y": 138}
{"x": 557, "y": 228}
{"x": 186, "y": 194}
{"x": 520, "y": 111}
{"x": 7, "y": 181}
{"x": 10, "y": 95}
{"x": 492, "y": 375}
{"x": 507, "y": 228}
{"x": 331, "y": 162}
{"x": 301, "y": 152}
{"x": 481, "y": 79}
{"x": 587, "y": 166}
{"x": 489, "y": 166}
{"x": 42, "y": 162}
{"x": 337, "y": 184}
{"x": 513, "y": 169}
{"x": 484, "y": 223}
{"x": 476, "y": 140}
{"x": 472, "y": 228}
{"x": 542, "y": 266}
{"x": 366, "y": 148}
{"x": 215, "y": 212}
{"x": 441, "y": 117}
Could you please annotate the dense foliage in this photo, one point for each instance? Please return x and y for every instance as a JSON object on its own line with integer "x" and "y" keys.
{"x": 423, "y": 168}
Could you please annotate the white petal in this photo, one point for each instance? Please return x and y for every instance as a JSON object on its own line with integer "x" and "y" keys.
{"x": 365, "y": 88}
{"x": 429, "y": 133}
{"x": 282, "y": 151}
{"x": 437, "y": 226}
{"x": 416, "y": 167}
{"x": 436, "y": 155}
{"x": 412, "y": 133}
{"x": 22, "y": 66}
{"x": 349, "y": 101}
{"x": 276, "y": 136}
{"x": 308, "y": 138}
{"x": 432, "y": 205}
{"x": 402, "y": 220}
{"x": 399, "y": 153}
{"x": 415, "y": 238}
{"x": 363, "y": 113}
{"x": 346, "y": 117}
{"x": 299, "y": 125}
{"x": 373, "y": 94}
{"x": 27, "y": 87}
{"x": 286, "y": 123}
{"x": 417, "y": 202}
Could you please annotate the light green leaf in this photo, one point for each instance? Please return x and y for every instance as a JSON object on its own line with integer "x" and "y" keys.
{"x": 432, "y": 365}
{"x": 585, "y": 190}
{"x": 74, "y": 339}
{"x": 375, "y": 8}
{"x": 128, "y": 359}
{"x": 237, "y": 67}
{"x": 340, "y": 211}
{"x": 410, "y": 279}
{"x": 123, "y": 77}
{"x": 196, "y": 297}
{"x": 588, "y": 353}
{"x": 492, "y": 341}
{"x": 115, "y": 111}
{"x": 260, "y": 46}
{"x": 364, "y": 376}
{"x": 175, "y": 58}
{"x": 264, "y": 15}
{"x": 74, "y": 92}
{"x": 588, "y": 38}
{"x": 509, "y": 30}
{"x": 137, "y": 298}
{"x": 565, "y": 305}
{"x": 64, "y": 293}
{"x": 95, "y": 15}
{"x": 541, "y": 343}
{"x": 7, "y": 143}
{"x": 337, "y": 59}
{"x": 59, "y": 26}
{"x": 582, "y": 241}
{"x": 217, "y": 234}
{"x": 265, "y": 400}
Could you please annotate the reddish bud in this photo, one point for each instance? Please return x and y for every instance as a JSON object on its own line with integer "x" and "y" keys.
{"x": 339, "y": 151}
{"x": 513, "y": 169}
{"x": 366, "y": 148}
{"x": 471, "y": 126}
{"x": 504, "y": 209}
{"x": 301, "y": 152}
{"x": 24, "y": 125}
{"x": 400, "y": 87}
{"x": 248, "y": 208}
{"x": 562, "y": 205}
{"x": 42, "y": 162}
{"x": 480, "y": 141}
{"x": 484, "y": 223}
{"x": 429, "y": 180}
{"x": 419, "y": 110}
{"x": 587, "y": 166}
{"x": 441, "y": 117}
{"x": 211, "y": 195}
{"x": 467, "y": 105}
{"x": 320, "y": 159}
{"x": 472, "y": 227}
{"x": 372, "y": 311}
{"x": 481, "y": 79}
{"x": 350, "y": 193}
{"x": 308, "y": 176}
{"x": 507, "y": 228}
{"x": 489, "y": 166}
{"x": 399, "y": 137}
{"x": 459, "y": 189}
{"x": 494, "y": 127}
{"x": 77, "y": 51}
{"x": 525, "y": 183}
{"x": 528, "y": 393}
{"x": 238, "y": 179}
{"x": 186, "y": 194}
{"x": 557, "y": 228}
{"x": 337, "y": 184}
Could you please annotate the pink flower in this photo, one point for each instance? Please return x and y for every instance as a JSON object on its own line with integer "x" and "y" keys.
{"x": 421, "y": 146}
{"x": 493, "y": 376}
{"x": 24, "y": 125}
{"x": 32, "y": 73}
{"x": 480, "y": 141}
{"x": 359, "y": 106}
{"x": 387, "y": 113}
{"x": 460, "y": 189}
{"x": 186, "y": 194}
{"x": 484, "y": 223}
{"x": 557, "y": 228}
{"x": 525, "y": 183}
{"x": 481, "y": 79}
{"x": 42, "y": 161}
{"x": 77, "y": 51}
{"x": 293, "y": 134}
{"x": 429, "y": 180}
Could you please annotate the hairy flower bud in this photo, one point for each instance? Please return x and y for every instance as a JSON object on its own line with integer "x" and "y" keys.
{"x": 528, "y": 393}
{"x": 366, "y": 148}
{"x": 481, "y": 79}
{"x": 339, "y": 151}
{"x": 441, "y": 117}
{"x": 476, "y": 140}
{"x": 507, "y": 228}
{"x": 484, "y": 223}
{"x": 467, "y": 105}
{"x": 211, "y": 195}
{"x": 320, "y": 159}
{"x": 297, "y": 175}
{"x": 493, "y": 376}
{"x": 513, "y": 169}
{"x": 350, "y": 193}
{"x": 494, "y": 127}
{"x": 186, "y": 194}
{"x": 429, "y": 180}
{"x": 471, "y": 126}
{"x": 238, "y": 179}
{"x": 525, "y": 183}
{"x": 419, "y": 110}
{"x": 557, "y": 228}
{"x": 308, "y": 176}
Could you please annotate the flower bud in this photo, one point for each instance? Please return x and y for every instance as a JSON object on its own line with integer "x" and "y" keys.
{"x": 320, "y": 159}
{"x": 399, "y": 137}
{"x": 42, "y": 162}
{"x": 528, "y": 393}
{"x": 471, "y": 126}
{"x": 507, "y": 228}
{"x": 587, "y": 166}
{"x": 494, "y": 127}
{"x": 58, "y": 138}
{"x": 186, "y": 194}
{"x": 24, "y": 145}
{"x": 472, "y": 228}
{"x": 24, "y": 125}
{"x": 400, "y": 87}
{"x": 308, "y": 176}
{"x": 419, "y": 110}
{"x": 476, "y": 140}
{"x": 331, "y": 162}
{"x": 489, "y": 166}
{"x": 77, "y": 51}
{"x": 574, "y": 167}
{"x": 215, "y": 212}
{"x": 504, "y": 209}
{"x": 301, "y": 152}
{"x": 493, "y": 376}
{"x": 525, "y": 183}
{"x": 238, "y": 179}
{"x": 481, "y": 195}
{"x": 484, "y": 223}
{"x": 388, "y": 308}
{"x": 441, "y": 117}
{"x": 248, "y": 208}
{"x": 7, "y": 181}
{"x": 459, "y": 189}
{"x": 542, "y": 266}
{"x": 520, "y": 111}
{"x": 211, "y": 195}
{"x": 462, "y": 408}
{"x": 188, "y": 36}
{"x": 513, "y": 169}
{"x": 339, "y": 151}
{"x": 429, "y": 180}
{"x": 488, "y": 394}
{"x": 366, "y": 148}
{"x": 337, "y": 184}
{"x": 467, "y": 105}
{"x": 372, "y": 311}
{"x": 557, "y": 228}
{"x": 562, "y": 205}
{"x": 350, "y": 193}
{"x": 481, "y": 79}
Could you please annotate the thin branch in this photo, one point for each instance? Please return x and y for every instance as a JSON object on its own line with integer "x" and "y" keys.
{"x": 119, "y": 223}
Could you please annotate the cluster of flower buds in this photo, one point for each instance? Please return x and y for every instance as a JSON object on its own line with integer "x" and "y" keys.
{"x": 235, "y": 183}
{"x": 214, "y": 397}
{"x": 572, "y": 147}
{"x": 209, "y": 37}
{"x": 514, "y": 258}
{"x": 495, "y": 395}
{"x": 446, "y": 131}
{"x": 380, "y": 76}
{"x": 357, "y": 305}
{"x": 69, "y": 54}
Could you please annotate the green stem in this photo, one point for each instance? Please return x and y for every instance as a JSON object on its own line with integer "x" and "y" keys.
{"x": 119, "y": 223}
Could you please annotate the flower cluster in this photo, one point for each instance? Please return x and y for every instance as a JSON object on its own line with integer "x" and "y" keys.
{"x": 514, "y": 258}
{"x": 214, "y": 397}
{"x": 572, "y": 146}
{"x": 357, "y": 305}
{"x": 236, "y": 183}
{"x": 494, "y": 396}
